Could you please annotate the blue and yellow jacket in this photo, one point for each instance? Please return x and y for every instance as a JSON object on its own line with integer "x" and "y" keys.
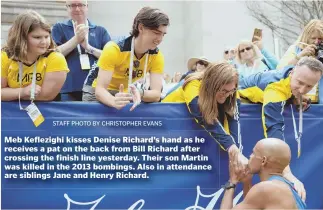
{"x": 224, "y": 132}
{"x": 272, "y": 89}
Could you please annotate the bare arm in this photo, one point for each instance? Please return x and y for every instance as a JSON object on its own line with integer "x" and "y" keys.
{"x": 236, "y": 175}
{"x": 11, "y": 94}
{"x": 299, "y": 186}
{"x": 67, "y": 47}
{"x": 70, "y": 45}
{"x": 227, "y": 200}
{"x": 118, "y": 101}
{"x": 8, "y": 94}
{"x": 80, "y": 32}
{"x": 246, "y": 187}
{"x": 101, "y": 93}
{"x": 153, "y": 95}
{"x": 255, "y": 199}
{"x": 96, "y": 52}
{"x": 52, "y": 84}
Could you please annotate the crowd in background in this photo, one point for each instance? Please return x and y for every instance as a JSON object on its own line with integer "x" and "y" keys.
{"x": 79, "y": 37}
{"x": 76, "y": 60}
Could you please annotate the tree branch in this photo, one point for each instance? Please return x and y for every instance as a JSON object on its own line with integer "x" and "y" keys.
{"x": 294, "y": 18}
{"x": 316, "y": 8}
{"x": 285, "y": 18}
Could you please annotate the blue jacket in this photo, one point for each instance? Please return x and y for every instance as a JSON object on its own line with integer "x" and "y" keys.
{"x": 272, "y": 89}
{"x": 63, "y": 32}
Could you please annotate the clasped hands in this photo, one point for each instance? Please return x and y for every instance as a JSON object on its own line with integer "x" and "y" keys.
{"x": 238, "y": 167}
{"x": 239, "y": 172}
{"x": 81, "y": 33}
{"x": 26, "y": 91}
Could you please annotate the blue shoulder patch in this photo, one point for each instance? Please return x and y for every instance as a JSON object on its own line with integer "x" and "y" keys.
{"x": 125, "y": 44}
{"x": 155, "y": 51}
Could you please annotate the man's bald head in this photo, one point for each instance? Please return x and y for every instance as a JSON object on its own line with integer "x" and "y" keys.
{"x": 273, "y": 153}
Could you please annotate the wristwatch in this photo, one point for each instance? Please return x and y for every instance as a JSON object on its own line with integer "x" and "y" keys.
{"x": 141, "y": 90}
{"x": 229, "y": 185}
{"x": 90, "y": 51}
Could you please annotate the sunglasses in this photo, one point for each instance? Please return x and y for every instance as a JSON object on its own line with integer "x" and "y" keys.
{"x": 226, "y": 52}
{"x": 202, "y": 63}
{"x": 246, "y": 49}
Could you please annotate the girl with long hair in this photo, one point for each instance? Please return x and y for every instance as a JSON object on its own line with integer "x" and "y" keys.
{"x": 30, "y": 64}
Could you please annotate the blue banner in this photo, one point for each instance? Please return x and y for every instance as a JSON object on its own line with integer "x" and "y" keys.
{"x": 86, "y": 155}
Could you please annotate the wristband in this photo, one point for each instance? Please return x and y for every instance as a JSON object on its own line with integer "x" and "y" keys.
{"x": 141, "y": 90}
{"x": 90, "y": 51}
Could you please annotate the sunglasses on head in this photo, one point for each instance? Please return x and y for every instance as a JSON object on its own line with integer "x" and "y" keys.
{"x": 202, "y": 63}
{"x": 246, "y": 49}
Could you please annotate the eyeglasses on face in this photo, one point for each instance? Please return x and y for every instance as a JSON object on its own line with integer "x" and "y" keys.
{"x": 245, "y": 49}
{"x": 228, "y": 92}
{"x": 202, "y": 63}
{"x": 74, "y": 6}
